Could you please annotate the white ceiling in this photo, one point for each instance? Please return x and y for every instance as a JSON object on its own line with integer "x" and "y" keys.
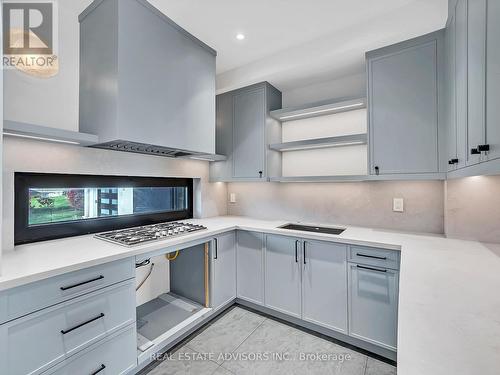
{"x": 294, "y": 43}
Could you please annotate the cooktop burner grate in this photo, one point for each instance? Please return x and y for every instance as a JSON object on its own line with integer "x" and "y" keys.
{"x": 148, "y": 233}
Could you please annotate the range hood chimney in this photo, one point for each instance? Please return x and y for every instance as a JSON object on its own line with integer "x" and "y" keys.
{"x": 146, "y": 85}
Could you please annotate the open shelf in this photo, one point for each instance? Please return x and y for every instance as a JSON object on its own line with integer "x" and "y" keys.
{"x": 318, "y": 109}
{"x": 338, "y": 141}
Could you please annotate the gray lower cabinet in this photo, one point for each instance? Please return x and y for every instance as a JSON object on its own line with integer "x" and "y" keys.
{"x": 25, "y": 299}
{"x": 373, "y": 304}
{"x": 114, "y": 355}
{"x": 224, "y": 269}
{"x": 53, "y": 334}
{"x": 250, "y": 266}
{"x": 244, "y": 128}
{"x": 283, "y": 274}
{"x": 404, "y": 99}
{"x": 324, "y": 284}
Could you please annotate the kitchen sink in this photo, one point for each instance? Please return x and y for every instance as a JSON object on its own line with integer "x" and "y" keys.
{"x": 312, "y": 228}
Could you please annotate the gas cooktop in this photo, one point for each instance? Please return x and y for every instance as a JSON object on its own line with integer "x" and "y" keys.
{"x": 148, "y": 233}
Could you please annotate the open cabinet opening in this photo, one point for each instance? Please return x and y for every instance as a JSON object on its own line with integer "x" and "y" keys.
{"x": 172, "y": 292}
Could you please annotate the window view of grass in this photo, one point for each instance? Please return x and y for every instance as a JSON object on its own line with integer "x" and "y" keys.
{"x": 55, "y": 205}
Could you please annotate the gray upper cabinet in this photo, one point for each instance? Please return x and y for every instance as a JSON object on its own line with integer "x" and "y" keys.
{"x": 224, "y": 269}
{"x": 476, "y": 74}
{"x": 461, "y": 97}
{"x": 373, "y": 304}
{"x": 248, "y": 134}
{"x": 493, "y": 80}
{"x": 474, "y": 35}
{"x": 451, "y": 129}
{"x": 283, "y": 274}
{"x": 250, "y": 266}
{"x": 139, "y": 70}
{"x": 404, "y": 99}
{"x": 244, "y": 128}
{"x": 324, "y": 284}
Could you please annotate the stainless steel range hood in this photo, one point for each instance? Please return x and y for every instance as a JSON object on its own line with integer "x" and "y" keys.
{"x": 146, "y": 85}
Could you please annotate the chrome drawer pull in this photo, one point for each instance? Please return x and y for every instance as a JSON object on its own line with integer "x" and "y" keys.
{"x": 370, "y": 256}
{"x": 100, "y": 369}
{"x": 371, "y": 269}
{"x": 100, "y": 277}
{"x": 101, "y": 315}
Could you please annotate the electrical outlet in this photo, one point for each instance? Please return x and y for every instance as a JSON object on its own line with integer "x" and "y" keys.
{"x": 232, "y": 198}
{"x": 398, "y": 205}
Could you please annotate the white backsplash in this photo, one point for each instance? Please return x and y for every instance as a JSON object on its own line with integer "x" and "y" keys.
{"x": 21, "y": 155}
{"x": 361, "y": 203}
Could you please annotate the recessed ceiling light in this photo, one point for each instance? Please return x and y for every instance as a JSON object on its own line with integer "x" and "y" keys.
{"x": 240, "y": 36}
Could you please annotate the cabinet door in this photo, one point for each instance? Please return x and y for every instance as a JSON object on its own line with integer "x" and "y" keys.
{"x": 282, "y": 275}
{"x": 373, "y": 305}
{"x": 476, "y": 68}
{"x": 224, "y": 267}
{"x": 493, "y": 79}
{"x": 223, "y": 170}
{"x": 451, "y": 87}
{"x": 250, "y": 266}
{"x": 248, "y": 133}
{"x": 403, "y": 115}
{"x": 461, "y": 104}
{"x": 324, "y": 284}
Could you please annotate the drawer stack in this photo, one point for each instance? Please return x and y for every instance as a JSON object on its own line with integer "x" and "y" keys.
{"x": 71, "y": 320}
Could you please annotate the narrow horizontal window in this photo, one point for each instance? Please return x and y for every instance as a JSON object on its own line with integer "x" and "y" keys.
{"x": 54, "y": 205}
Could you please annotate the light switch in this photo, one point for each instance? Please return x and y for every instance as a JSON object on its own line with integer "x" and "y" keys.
{"x": 398, "y": 205}
{"x": 232, "y": 198}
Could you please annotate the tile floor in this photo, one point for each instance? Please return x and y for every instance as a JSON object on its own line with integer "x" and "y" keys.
{"x": 242, "y": 342}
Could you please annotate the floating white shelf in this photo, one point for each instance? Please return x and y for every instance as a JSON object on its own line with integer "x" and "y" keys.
{"x": 338, "y": 141}
{"x": 318, "y": 109}
{"x": 45, "y": 133}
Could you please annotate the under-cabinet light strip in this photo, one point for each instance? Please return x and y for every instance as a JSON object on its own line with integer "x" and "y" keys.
{"x": 40, "y": 138}
{"x": 322, "y": 110}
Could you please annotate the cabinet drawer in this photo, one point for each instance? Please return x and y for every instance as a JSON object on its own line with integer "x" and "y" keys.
{"x": 28, "y": 298}
{"x": 116, "y": 354}
{"x": 32, "y": 344}
{"x": 373, "y": 305}
{"x": 374, "y": 256}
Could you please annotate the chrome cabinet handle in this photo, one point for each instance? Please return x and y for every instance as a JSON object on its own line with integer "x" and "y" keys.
{"x": 101, "y": 315}
{"x": 100, "y": 277}
{"x": 216, "y": 243}
{"x": 296, "y": 251}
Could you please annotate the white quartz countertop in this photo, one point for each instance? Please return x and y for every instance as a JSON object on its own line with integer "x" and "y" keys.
{"x": 449, "y": 300}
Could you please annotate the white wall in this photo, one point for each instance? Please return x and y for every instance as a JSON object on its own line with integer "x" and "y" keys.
{"x": 348, "y": 86}
{"x": 50, "y": 101}
{"x": 473, "y": 208}
{"x": 33, "y": 156}
{"x": 362, "y": 203}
